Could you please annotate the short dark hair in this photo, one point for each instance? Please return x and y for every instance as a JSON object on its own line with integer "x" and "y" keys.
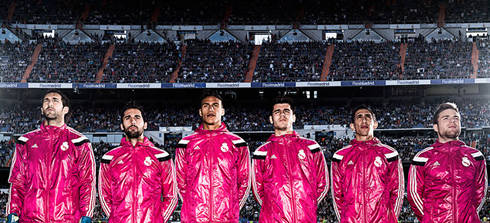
{"x": 135, "y": 105}
{"x": 353, "y": 116}
{"x": 65, "y": 101}
{"x": 441, "y": 108}
{"x": 208, "y": 93}
{"x": 283, "y": 100}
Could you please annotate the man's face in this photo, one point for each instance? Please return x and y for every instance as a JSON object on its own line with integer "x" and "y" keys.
{"x": 52, "y": 108}
{"x": 133, "y": 124}
{"x": 364, "y": 124}
{"x": 211, "y": 110}
{"x": 282, "y": 117}
{"x": 448, "y": 125}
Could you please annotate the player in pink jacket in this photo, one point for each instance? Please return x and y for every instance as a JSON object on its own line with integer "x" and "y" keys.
{"x": 447, "y": 182}
{"x": 137, "y": 180}
{"x": 53, "y": 170}
{"x": 367, "y": 176}
{"x": 212, "y": 168}
{"x": 290, "y": 174}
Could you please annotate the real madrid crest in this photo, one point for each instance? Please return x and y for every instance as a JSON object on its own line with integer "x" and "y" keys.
{"x": 147, "y": 161}
{"x": 301, "y": 154}
{"x": 377, "y": 161}
{"x": 224, "y": 147}
{"x": 466, "y": 162}
{"x": 64, "y": 146}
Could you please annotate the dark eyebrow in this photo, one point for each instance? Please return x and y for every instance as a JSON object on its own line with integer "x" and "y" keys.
{"x": 360, "y": 115}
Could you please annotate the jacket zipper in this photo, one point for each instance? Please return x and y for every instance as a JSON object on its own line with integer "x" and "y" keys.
{"x": 455, "y": 204}
{"x": 291, "y": 181}
{"x": 211, "y": 211}
{"x": 135, "y": 188}
{"x": 48, "y": 170}
{"x": 364, "y": 188}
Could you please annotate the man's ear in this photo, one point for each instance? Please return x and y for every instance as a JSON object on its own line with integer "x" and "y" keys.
{"x": 200, "y": 112}
{"x": 65, "y": 110}
{"x": 375, "y": 126}
{"x": 436, "y": 128}
{"x": 352, "y": 127}
{"x": 122, "y": 127}
{"x": 145, "y": 125}
{"x": 271, "y": 120}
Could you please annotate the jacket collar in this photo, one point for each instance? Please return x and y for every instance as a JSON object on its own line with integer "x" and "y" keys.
{"x": 146, "y": 142}
{"x": 201, "y": 129}
{"x": 362, "y": 144}
{"x": 448, "y": 145}
{"x": 52, "y": 129}
{"x": 273, "y": 137}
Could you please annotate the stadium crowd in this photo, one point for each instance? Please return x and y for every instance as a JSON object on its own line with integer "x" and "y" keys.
{"x": 290, "y": 62}
{"x": 141, "y": 62}
{"x": 365, "y": 61}
{"x": 62, "y": 62}
{"x": 14, "y": 59}
{"x": 239, "y": 12}
{"x": 105, "y": 118}
{"x": 438, "y": 60}
{"x": 205, "y": 61}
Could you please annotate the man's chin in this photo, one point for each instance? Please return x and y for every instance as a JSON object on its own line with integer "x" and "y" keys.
{"x": 133, "y": 134}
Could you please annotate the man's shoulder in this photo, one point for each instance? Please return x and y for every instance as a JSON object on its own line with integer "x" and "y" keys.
{"x": 386, "y": 149}
{"x": 235, "y": 139}
{"x": 28, "y": 136}
{"x": 76, "y": 137}
{"x": 475, "y": 153}
{"x": 344, "y": 150}
{"x": 109, "y": 156}
{"x": 188, "y": 139}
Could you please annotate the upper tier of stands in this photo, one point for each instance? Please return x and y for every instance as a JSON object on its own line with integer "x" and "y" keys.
{"x": 275, "y": 12}
{"x": 204, "y": 61}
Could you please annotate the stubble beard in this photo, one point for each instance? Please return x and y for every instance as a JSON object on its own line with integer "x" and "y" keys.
{"x": 450, "y": 134}
{"x": 133, "y": 134}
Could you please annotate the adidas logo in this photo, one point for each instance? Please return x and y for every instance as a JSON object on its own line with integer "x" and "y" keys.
{"x": 120, "y": 162}
{"x": 196, "y": 148}
{"x": 437, "y": 164}
{"x": 35, "y": 146}
{"x": 350, "y": 163}
{"x": 273, "y": 157}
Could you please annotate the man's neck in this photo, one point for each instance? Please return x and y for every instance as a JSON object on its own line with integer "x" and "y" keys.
{"x": 54, "y": 122}
{"x": 134, "y": 141}
{"x": 445, "y": 140}
{"x": 281, "y": 133}
{"x": 364, "y": 138}
{"x": 211, "y": 127}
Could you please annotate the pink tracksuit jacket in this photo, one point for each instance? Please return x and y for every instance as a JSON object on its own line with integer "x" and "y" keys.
{"x": 367, "y": 183}
{"x": 447, "y": 183}
{"x": 290, "y": 178}
{"x": 213, "y": 175}
{"x": 137, "y": 183}
{"x": 52, "y": 176}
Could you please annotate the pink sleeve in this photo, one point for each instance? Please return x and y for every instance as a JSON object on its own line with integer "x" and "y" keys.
{"x": 337, "y": 193}
{"x": 169, "y": 186}
{"x": 105, "y": 195}
{"x": 415, "y": 190}
{"x": 87, "y": 179}
{"x": 17, "y": 180}
{"x": 243, "y": 174}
